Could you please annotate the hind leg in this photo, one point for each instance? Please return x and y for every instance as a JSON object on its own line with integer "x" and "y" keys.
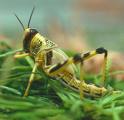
{"x": 89, "y": 55}
{"x": 79, "y": 58}
{"x": 32, "y": 74}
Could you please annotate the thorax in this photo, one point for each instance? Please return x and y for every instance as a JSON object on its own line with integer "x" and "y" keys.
{"x": 52, "y": 57}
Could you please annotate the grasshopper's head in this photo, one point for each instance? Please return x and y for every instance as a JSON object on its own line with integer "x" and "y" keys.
{"x": 29, "y": 33}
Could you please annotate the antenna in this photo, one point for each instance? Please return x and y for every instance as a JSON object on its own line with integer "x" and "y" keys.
{"x": 31, "y": 16}
{"x": 20, "y": 22}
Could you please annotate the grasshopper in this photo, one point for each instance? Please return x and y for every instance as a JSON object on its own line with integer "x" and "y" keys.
{"x": 55, "y": 63}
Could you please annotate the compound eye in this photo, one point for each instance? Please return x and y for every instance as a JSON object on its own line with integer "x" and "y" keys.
{"x": 33, "y": 31}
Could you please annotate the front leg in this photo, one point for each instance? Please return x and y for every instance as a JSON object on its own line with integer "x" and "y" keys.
{"x": 21, "y": 55}
{"x": 30, "y": 80}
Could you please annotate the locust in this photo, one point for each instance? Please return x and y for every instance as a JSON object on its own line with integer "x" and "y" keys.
{"x": 56, "y": 63}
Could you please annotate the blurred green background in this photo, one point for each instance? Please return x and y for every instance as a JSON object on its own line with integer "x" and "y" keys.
{"x": 99, "y": 22}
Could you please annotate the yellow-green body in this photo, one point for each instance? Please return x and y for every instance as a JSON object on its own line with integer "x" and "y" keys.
{"x": 66, "y": 74}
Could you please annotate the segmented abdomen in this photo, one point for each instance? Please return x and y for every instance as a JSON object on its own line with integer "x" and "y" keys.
{"x": 86, "y": 89}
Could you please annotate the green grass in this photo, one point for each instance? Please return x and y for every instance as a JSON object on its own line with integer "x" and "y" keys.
{"x": 48, "y": 98}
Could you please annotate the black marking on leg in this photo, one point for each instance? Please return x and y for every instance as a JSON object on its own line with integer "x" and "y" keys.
{"x": 98, "y": 94}
{"x": 77, "y": 58}
{"x": 86, "y": 55}
{"x": 59, "y": 65}
{"x": 101, "y": 50}
{"x": 106, "y": 53}
{"x": 86, "y": 91}
{"x": 49, "y": 56}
